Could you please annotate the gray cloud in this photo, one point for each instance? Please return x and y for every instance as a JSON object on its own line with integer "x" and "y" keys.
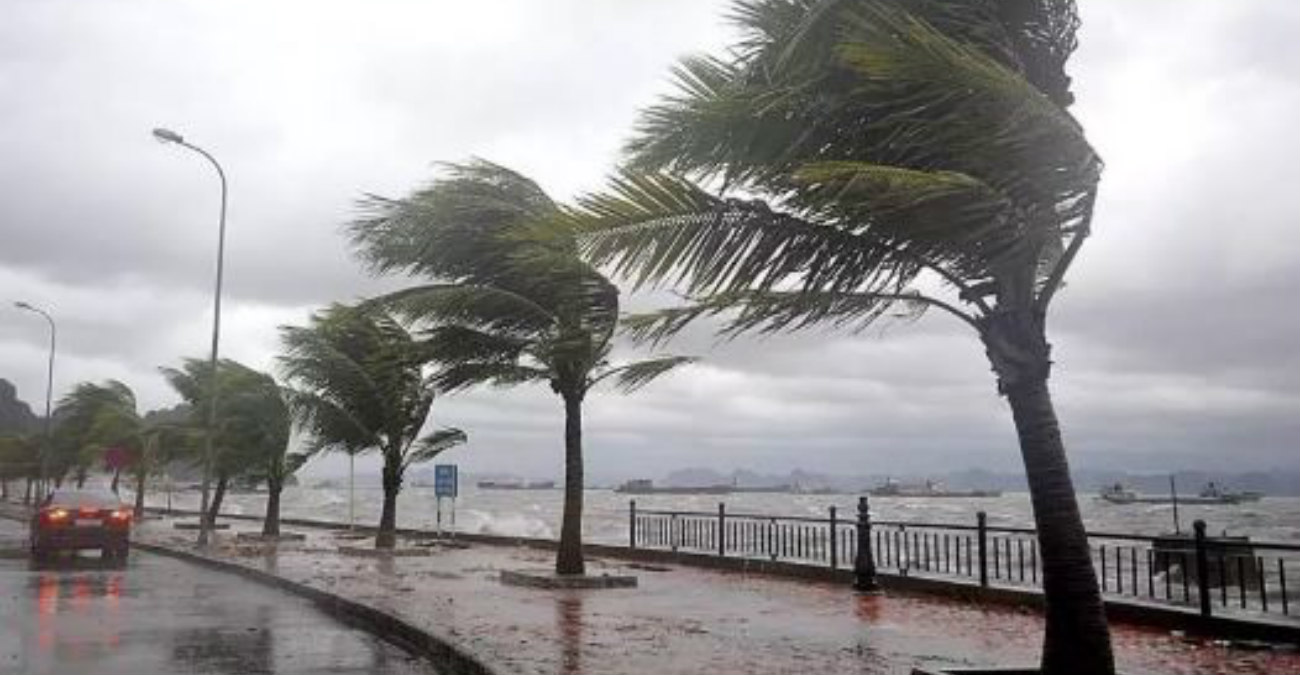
{"x": 1175, "y": 340}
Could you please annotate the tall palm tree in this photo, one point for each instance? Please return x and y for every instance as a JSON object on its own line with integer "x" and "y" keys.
{"x": 359, "y": 386}
{"x": 510, "y": 302}
{"x": 878, "y": 156}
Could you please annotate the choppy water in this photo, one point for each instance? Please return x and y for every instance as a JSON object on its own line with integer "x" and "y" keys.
{"x": 536, "y": 513}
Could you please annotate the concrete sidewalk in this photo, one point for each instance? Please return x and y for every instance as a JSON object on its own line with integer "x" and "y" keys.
{"x": 688, "y": 620}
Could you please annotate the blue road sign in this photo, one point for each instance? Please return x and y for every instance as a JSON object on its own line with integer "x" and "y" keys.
{"x": 445, "y": 481}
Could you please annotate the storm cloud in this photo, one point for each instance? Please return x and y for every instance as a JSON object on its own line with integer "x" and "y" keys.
{"x": 1175, "y": 340}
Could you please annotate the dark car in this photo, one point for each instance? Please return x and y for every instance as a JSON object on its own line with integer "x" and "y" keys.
{"x": 70, "y": 520}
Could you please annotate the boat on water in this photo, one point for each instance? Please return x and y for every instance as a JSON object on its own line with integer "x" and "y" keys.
{"x": 1210, "y": 494}
{"x": 516, "y": 485}
{"x": 647, "y": 487}
{"x": 893, "y": 488}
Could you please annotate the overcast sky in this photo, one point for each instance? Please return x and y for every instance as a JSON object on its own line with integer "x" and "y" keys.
{"x": 1175, "y": 341}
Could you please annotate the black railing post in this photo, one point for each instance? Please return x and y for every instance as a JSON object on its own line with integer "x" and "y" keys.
{"x": 1203, "y": 569}
{"x": 672, "y": 532}
{"x": 982, "y": 536}
{"x": 631, "y": 529}
{"x": 835, "y": 541}
{"x": 722, "y": 530}
{"x": 864, "y": 565}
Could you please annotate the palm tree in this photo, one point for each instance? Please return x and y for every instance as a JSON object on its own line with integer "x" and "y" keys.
{"x": 104, "y": 416}
{"x": 20, "y": 457}
{"x": 94, "y": 417}
{"x": 874, "y": 157}
{"x": 237, "y": 449}
{"x": 255, "y": 415}
{"x": 510, "y": 303}
{"x": 359, "y": 386}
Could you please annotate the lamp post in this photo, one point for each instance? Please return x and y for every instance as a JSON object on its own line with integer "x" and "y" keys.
{"x": 205, "y": 525}
{"x": 49, "y": 393}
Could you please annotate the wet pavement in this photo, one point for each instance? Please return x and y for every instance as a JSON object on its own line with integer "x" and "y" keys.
{"x": 157, "y": 615}
{"x": 689, "y": 620}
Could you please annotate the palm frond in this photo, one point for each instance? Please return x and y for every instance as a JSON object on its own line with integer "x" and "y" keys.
{"x": 463, "y": 376}
{"x": 659, "y": 228}
{"x": 435, "y": 444}
{"x": 487, "y": 307}
{"x": 628, "y": 378}
{"x": 770, "y": 312}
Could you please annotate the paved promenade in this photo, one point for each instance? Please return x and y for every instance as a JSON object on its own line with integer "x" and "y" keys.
{"x": 688, "y": 620}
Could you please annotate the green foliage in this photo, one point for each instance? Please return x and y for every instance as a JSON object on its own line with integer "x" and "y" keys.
{"x": 869, "y": 144}
{"x": 511, "y": 302}
{"x": 20, "y": 456}
{"x": 359, "y": 386}
{"x": 253, "y": 422}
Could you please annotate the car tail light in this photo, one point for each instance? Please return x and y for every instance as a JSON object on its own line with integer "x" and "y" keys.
{"x": 121, "y": 516}
{"x": 55, "y": 515}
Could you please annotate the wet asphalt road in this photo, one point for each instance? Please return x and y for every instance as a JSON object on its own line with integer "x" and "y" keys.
{"x": 159, "y": 615}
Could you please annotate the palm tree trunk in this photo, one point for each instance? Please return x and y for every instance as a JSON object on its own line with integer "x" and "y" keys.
{"x": 81, "y": 477}
{"x": 271, "y": 523}
{"x": 387, "y": 535}
{"x": 117, "y": 475}
{"x": 218, "y": 495}
{"x": 27, "y": 492}
{"x": 1077, "y": 639}
{"x": 4, "y": 489}
{"x": 140, "y": 479}
{"x": 569, "y": 558}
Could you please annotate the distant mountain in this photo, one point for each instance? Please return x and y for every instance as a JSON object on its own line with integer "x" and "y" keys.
{"x": 15, "y": 415}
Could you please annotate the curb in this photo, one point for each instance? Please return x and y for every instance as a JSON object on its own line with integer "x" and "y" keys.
{"x": 383, "y": 625}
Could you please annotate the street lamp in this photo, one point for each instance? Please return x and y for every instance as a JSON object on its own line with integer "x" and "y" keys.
{"x": 49, "y": 393}
{"x": 205, "y": 525}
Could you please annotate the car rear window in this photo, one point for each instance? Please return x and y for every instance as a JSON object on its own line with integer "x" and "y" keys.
{"x": 85, "y": 498}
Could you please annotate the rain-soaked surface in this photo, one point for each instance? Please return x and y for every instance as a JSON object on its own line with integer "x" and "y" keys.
{"x": 688, "y": 620}
{"x": 157, "y": 615}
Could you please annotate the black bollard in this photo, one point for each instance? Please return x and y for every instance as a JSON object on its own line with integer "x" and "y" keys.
{"x": 864, "y": 565}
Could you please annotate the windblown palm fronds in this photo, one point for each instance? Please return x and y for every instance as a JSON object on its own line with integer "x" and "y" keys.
{"x": 358, "y": 385}
{"x": 508, "y": 301}
{"x": 856, "y": 160}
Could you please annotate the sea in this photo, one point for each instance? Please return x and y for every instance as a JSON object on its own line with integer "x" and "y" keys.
{"x": 536, "y": 513}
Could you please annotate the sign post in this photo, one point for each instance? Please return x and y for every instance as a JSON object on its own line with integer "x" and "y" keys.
{"x": 446, "y": 484}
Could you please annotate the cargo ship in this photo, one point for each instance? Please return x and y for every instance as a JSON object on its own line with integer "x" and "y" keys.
{"x": 647, "y": 487}
{"x": 515, "y": 485}
{"x": 893, "y": 488}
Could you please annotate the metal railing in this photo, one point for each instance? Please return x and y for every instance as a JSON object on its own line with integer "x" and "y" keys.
{"x": 1211, "y": 574}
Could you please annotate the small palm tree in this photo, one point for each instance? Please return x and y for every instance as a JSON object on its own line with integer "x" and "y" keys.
{"x": 877, "y": 157}
{"x": 253, "y": 428}
{"x": 104, "y": 416}
{"x": 95, "y": 417}
{"x": 512, "y": 302}
{"x": 20, "y": 457}
{"x": 232, "y": 456}
{"x": 358, "y": 385}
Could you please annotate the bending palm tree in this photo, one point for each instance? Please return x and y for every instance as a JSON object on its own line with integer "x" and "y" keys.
{"x": 252, "y": 429}
{"x": 93, "y": 418}
{"x": 909, "y": 155}
{"x": 509, "y": 307}
{"x": 234, "y": 454}
{"x": 360, "y": 387}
